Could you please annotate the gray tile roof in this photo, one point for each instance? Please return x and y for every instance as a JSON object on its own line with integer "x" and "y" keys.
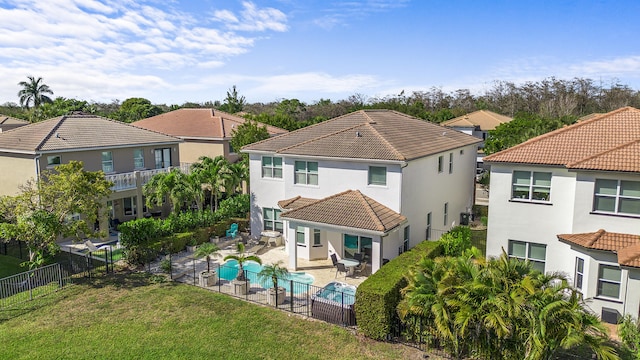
{"x": 368, "y": 134}
{"x": 71, "y": 132}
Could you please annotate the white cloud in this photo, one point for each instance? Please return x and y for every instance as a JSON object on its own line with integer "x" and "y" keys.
{"x": 253, "y": 19}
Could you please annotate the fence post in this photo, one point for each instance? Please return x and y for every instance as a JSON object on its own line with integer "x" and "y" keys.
{"x": 106, "y": 259}
{"x": 193, "y": 260}
{"x": 170, "y": 266}
{"x": 246, "y": 284}
{"x": 88, "y": 258}
{"x": 60, "y": 275}
{"x": 29, "y": 284}
{"x": 291, "y": 295}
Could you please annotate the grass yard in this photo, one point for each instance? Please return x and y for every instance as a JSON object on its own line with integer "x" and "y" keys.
{"x": 128, "y": 317}
{"x": 10, "y": 265}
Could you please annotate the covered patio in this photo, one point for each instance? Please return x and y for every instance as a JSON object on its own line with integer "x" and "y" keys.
{"x": 344, "y": 224}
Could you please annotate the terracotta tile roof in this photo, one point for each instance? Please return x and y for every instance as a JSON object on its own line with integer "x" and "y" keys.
{"x": 349, "y": 209}
{"x": 294, "y": 203}
{"x": 78, "y": 132}
{"x": 602, "y": 142}
{"x": 197, "y": 123}
{"x": 627, "y": 246}
{"x": 8, "y": 120}
{"x": 484, "y": 119}
{"x": 368, "y": 134}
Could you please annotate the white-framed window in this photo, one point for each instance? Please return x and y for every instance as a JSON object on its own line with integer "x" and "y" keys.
{"x": 440, "y": 163}
{"x": 107, "y": 162}
{"x": 138, "y": 158}
{"x": 428, "y": 235}
{"x": 531, "y": 186}
{"x": 446, "y": 214}
{"x": 316, "y": 237}
{"x": 406, "y": 241}
{"x": 271, "y": 219}
{"x": 450, "y": 163}
{"x": 272, "y": 167}
{"x": 130, "y": 205}
{"x": 579, "y": 277}
{"x": 306, "y": 172}
{"x": 300, "y": 238}
{"x": 162, "y": 158}
{"x": 534, "y": 253}
{"x": 609, "y": 279}
{"x": 377, "y": 175}
{"x": 54, "y": 160}
{"x": 617, "y": 197}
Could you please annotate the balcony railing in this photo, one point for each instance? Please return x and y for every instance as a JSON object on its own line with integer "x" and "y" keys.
{"x": 130, "y": 180}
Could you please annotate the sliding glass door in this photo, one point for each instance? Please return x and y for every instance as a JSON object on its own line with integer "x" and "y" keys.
{"x": 356, "y": 244}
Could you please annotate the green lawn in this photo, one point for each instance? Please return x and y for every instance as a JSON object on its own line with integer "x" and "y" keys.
{"x": 10, "y": 265}
{"x": 127, "y": 317}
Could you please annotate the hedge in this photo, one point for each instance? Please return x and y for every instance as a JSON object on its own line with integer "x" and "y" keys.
{"x": 379, "y": 295}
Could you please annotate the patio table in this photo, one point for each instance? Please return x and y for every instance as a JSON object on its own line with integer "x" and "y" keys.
{"x": 350, "y": 264}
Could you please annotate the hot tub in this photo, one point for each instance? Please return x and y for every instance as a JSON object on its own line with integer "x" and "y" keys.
{"x": 334, "y": 303}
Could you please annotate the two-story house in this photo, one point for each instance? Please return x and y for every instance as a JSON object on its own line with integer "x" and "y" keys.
{"x": 569, "y": 201}
{"x": 129, "y": 156}
{"x": 205, "y": 132}
{"x": 376, "y": 182}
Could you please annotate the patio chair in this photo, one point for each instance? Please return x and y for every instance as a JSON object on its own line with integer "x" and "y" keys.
{"x": 341, "y": 269}
{"x": 233, "y": 231}
{"x": 362, "y": 267}
{"x": 359, "y": 257}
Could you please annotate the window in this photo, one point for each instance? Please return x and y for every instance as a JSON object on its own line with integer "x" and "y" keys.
{"x": 406, "y": 239}
{"x": 356, "y": 244}
{"x": 532, "y": 186}
{"x": 617, "y": 196}
{"x": 609, "y": 281}
{"x": 231, "y": 149}
{"x": 377, "y": 175}
{"x": 316, "y": 237}
{"x": 107, "y": 161}
{"x": 306, "y": 172}
{"x": 272, "y": 219}
{"x": 162, "y": 158}
{"x": 138, "y": 159}
{"x": 428, "y": 226}
{"x": 440, "y": 163}
{"x": 450, "y": 163}
{"x": 300, "y": 235}
{"x": 272, "y": 167}
{"x": 577, "y": 281}
{"x": 130, "y": 205}
{"x": 534, "y": 253}
{"x": 54, "y": 160}
{"x": 446, "y": 214}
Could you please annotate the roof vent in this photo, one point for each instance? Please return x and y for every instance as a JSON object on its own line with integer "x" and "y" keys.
{"x": 358, "y": 134}
{"x": 58, "y": 135}
{"x": 444, "y": 133}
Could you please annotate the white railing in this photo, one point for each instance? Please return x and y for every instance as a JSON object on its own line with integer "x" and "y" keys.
{"x": 129, "y": 180}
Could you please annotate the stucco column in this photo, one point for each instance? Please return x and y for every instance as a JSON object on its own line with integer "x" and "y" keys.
{"x": 292, "y": 248}
{"x": 139, "y": 204}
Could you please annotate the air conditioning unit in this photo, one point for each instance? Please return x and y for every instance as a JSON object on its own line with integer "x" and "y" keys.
{"x": 611, "y": 316}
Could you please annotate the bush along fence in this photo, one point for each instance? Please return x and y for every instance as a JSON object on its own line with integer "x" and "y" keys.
{"x": 32, "y": 284}
{"x": 333, "y": 303}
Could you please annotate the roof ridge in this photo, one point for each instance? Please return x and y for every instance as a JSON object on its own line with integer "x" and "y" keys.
{"x": 288, "y": 202}
{"x": 365, "y": 199}
{"x": 318, "y": 201}
{"x": 50, "y": 132}
{"x": 393, "y": 148}
{"x": 319, "y": 138}
{"x": 621, "y": 146}
{"x": 596, "y": 236}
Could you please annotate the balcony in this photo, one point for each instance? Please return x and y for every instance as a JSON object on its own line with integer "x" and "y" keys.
{"x": 130, "y": 180}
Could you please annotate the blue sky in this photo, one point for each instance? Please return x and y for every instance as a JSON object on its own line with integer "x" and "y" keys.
{"x": 176, "y": 51}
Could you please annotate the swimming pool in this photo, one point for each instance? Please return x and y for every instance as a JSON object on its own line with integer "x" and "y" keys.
{"x": 338, "y": 292}
{"x": 229, "y": 271}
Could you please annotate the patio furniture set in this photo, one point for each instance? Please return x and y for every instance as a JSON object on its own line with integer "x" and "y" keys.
{"x": 350, "y": 266}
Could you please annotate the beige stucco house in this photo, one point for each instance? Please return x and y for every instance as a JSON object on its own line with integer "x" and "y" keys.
{"x": 129, "y": 156}
{"x": 205, "y": 132}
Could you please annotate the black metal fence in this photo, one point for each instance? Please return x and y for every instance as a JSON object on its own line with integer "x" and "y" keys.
{"x": 31, "y": 284}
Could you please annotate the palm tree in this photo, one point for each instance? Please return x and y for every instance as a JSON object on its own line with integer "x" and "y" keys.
{"x": 209, "y": 171}
{"x": 208, "y": 250}
{"x": 176, "y": 185}
{"x": 233, "y": 177}
{"x": 241, "y": 258}
{"x": 273, "y": 272}
{"x": 33, "y": 91}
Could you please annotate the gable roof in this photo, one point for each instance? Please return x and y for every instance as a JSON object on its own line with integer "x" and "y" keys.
{"x": 484, "y": 119}
{"x": 607, "y": 142}
{"x": 627, "y": 246}
{"x": 71, "y": 132}
{"x": 348, "y": 209}
{"x": 8, "y": 120}
{"x": 367, "y": 134}
{"x": 198, "y": 124}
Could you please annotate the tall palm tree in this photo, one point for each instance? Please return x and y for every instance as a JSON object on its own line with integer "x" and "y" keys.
{"x": 176, "y": 185}
{"x": 210, "y": 173}
{"x": 233, "y": 177}
{"x": 33, "y": 92}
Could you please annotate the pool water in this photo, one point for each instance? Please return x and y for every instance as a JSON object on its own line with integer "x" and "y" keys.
{"x": 229, "y": 271}
{"x": 339, "y": 292}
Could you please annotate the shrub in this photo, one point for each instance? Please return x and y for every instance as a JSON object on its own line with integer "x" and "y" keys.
{"x": 237, "y": 206}
{"x": 377, "y": 297}
{"x": 456, "y": 240}
{"x": 165, "y": 266}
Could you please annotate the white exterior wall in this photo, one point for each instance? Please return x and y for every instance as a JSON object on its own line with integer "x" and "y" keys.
{"x": 425, "y": 190}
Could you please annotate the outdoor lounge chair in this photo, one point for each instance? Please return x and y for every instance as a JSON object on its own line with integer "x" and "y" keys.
{"x": 233, "y": 231}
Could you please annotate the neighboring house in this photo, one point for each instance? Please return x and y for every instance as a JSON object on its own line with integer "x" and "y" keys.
{"x": 206, "y": 132}
{"x": 376, "y": 182}
{"x": 569, "y": 201}
{"x": 478, "y": 124}
{"x": 8, "y": 123}
{"x": 128, "y": 155}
